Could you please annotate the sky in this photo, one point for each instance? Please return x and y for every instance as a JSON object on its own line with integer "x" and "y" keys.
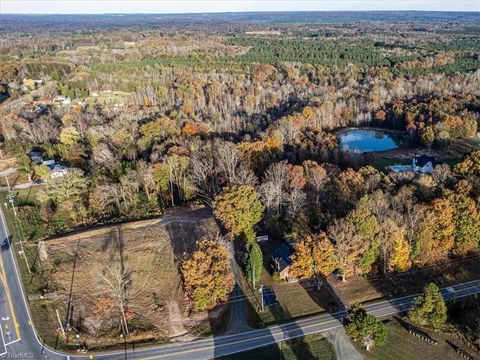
{"x": 201, "y": 6}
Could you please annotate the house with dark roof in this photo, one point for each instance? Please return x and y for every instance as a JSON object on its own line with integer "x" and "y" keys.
{"x": 423, "y": 164}
{"x": 282, "y": 261}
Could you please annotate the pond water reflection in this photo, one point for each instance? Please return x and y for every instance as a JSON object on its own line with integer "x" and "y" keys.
{"x": 368, "y": 140}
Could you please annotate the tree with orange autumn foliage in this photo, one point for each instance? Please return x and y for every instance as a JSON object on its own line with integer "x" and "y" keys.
{"x": 207, "y": 274}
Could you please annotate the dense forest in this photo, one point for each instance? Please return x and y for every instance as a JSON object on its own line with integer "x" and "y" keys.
{"x": 162, "y": 117}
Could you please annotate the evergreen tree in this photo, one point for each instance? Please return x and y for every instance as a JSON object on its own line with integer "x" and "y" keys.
{"x": 430, "y": 308}
{"x": 254, "y": 263}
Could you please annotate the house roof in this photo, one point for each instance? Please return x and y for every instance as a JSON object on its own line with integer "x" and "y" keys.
{"x": 423, "y": 160}
{"x": 281, "y": 257}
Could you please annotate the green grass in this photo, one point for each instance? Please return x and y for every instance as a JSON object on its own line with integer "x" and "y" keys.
{"x": 380, "y": 163}
{"x": 26, "y": 196}
{"x": 293, "y": 300}
{"x": 307, "y": 347}
{"x": 401, "y": 345}
{"x": 43, "y": 320}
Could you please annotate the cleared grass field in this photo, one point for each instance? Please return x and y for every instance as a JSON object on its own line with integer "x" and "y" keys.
{"x": 403, "y": 346}
{"x": 306, "y": 348}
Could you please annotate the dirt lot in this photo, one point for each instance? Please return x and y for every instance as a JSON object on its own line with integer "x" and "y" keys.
{"x": 89, "y": 269}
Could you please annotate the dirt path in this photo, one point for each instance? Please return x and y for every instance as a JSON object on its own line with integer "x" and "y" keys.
{"x": 8, "y": 171}
{"x": 344, "y": 349}
{"x": 176, "y": 322}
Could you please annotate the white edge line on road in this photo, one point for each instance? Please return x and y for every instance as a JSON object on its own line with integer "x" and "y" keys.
{"x": 3, "y": 341}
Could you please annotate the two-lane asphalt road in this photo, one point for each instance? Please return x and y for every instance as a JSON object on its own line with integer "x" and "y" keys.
{"x": 24, "y": 343}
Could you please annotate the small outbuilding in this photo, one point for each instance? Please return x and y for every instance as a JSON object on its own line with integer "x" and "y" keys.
{"x": 36, "y": 157}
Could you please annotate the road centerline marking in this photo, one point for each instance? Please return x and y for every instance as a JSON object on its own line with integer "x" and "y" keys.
{"x": 9, "y": 298}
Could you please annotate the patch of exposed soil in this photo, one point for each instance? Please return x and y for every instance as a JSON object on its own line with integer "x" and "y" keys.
{"x": 140, "y": 259}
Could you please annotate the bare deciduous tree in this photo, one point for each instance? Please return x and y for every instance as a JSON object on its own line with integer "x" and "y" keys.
{"x": 296, "y": 200}
{"x": 117, "y": 279}
{"x": 349, "y": 246}
{"x": 273, "y": 187}
{"x": 206, "y": 176}
{"x": 228, "y": 159}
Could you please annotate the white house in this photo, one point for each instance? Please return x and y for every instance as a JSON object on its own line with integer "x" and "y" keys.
{"x": 422, "y": 164}
{"x": 58, "y": 171}
{"x": 62, "y": 99}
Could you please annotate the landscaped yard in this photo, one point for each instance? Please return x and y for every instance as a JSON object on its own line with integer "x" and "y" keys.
{"x": 306, "y": 348}
{"x": 401, "y": 345}
{"x": 294, "y": 300}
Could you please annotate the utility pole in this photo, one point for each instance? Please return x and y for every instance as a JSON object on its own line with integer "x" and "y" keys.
{"x": 11, "y": 199}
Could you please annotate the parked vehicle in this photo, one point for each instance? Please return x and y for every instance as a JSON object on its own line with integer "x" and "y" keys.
{"x": 5, "y": 244}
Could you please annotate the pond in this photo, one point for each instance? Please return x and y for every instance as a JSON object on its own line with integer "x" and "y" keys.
{"x": 368, "y": 140}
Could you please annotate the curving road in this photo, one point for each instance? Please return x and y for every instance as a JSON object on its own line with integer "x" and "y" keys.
{"x": 19, "y": 340}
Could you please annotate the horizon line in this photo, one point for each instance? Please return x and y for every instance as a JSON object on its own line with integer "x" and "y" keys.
{"x": 243, "y": 12}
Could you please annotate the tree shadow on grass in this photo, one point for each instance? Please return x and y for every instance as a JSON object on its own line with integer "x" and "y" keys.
{"x": 244, "y": 342}
{"x": 323, "y": 295}
{"x": 297, "y": 344}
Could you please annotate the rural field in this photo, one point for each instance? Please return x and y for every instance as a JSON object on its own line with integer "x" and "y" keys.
{"x": 403, "y": 346}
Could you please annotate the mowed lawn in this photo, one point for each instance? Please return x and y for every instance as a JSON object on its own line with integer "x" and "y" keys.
{"x": 401, "y": 345}
{"x": 307, "y": 348}
{"x": 294, "y": 300}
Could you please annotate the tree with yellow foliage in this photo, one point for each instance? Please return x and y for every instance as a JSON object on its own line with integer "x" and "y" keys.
{"x": 470, "y": 165}
{"x": 314, "y": 257}
{"x": 29, "y": 83}
{"x": 239, "y": 209}
{"x": 466, "y": 219}
{"x": 156, "y": 131}
{"x": 323, "y": 254}
{"x": 400, "y": 257}
{"x": 436, "y": 233}
{"x": 302, "y": 261}
{"x": 70, "y": 136}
